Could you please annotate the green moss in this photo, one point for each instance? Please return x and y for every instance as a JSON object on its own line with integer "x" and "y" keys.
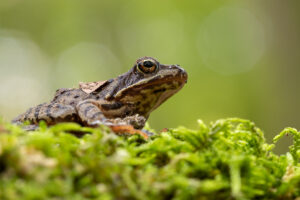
{"x": 228, "y": 159}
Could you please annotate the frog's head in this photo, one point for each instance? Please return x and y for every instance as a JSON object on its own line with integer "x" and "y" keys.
{"x": 149, "y": 83}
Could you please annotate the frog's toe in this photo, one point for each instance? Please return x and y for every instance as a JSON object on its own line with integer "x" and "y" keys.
{"x": 136, "y": 121}
{"x": 115, "y": 124}
{"x": 95, "y": 123}
{"x": 136, "y": 124}
{"x": 105, "y": 123}
{"x": 149, "y": 133}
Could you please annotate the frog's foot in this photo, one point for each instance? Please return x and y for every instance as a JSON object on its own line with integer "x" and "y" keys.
{"x": 128, "y": 129}
{"x": 105, "y": 123}
{"x": 137, "y": 121}
{"x": 122, "y": 128}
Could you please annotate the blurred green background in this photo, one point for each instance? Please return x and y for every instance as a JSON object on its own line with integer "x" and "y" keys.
{"x": 242, "y": 57}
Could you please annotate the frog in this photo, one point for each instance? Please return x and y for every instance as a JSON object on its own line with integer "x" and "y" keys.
{"x": 123, "y": 103}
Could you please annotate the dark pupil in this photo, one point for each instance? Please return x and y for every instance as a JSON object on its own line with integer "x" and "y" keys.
{"x": 148, "y": 64}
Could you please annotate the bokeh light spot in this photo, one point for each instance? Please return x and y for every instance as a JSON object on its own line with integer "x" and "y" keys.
{"x": 24, "y": 73}
{"x": 231, "y": 40}
{"x": 86, "y": 62}
{"x": 155, "y": 37}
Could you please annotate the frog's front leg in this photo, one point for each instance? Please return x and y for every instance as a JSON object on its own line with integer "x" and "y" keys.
{"x": 90, "y": 113}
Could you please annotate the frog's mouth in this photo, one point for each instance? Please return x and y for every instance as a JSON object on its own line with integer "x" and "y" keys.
{"x": 160, "y": 84}
{"x": 164, "y": 90}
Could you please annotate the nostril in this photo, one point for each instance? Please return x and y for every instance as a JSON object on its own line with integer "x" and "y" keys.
{"x": 180, "y": 69}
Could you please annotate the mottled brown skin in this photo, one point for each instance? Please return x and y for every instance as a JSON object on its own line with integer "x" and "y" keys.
{"x": 122, "y": 101}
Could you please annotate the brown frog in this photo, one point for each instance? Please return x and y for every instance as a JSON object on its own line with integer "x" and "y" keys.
{"x": 123, "y": 103}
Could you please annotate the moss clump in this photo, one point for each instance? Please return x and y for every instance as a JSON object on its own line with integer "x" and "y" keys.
{"x": 228, "y": 159}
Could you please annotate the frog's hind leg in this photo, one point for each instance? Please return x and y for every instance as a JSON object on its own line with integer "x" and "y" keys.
{"x": 20, "y": 121}
{"x": 51, "y": 113}
{"x": 56, "y": 113}
{"x": 30, "y": 115}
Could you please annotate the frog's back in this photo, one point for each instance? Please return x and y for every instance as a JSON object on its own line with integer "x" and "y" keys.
{"x": 69, "y": 96}
{"x": 63, "y": 104}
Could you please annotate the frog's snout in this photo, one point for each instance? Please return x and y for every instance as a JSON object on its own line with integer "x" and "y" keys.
{"x": 182, "y": 73}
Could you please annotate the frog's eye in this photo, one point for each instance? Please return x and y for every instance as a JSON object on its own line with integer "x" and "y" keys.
{"x": 147, "y": 66}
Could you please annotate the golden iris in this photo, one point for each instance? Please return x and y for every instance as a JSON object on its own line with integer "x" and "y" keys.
{"x": 147, "y": 66}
